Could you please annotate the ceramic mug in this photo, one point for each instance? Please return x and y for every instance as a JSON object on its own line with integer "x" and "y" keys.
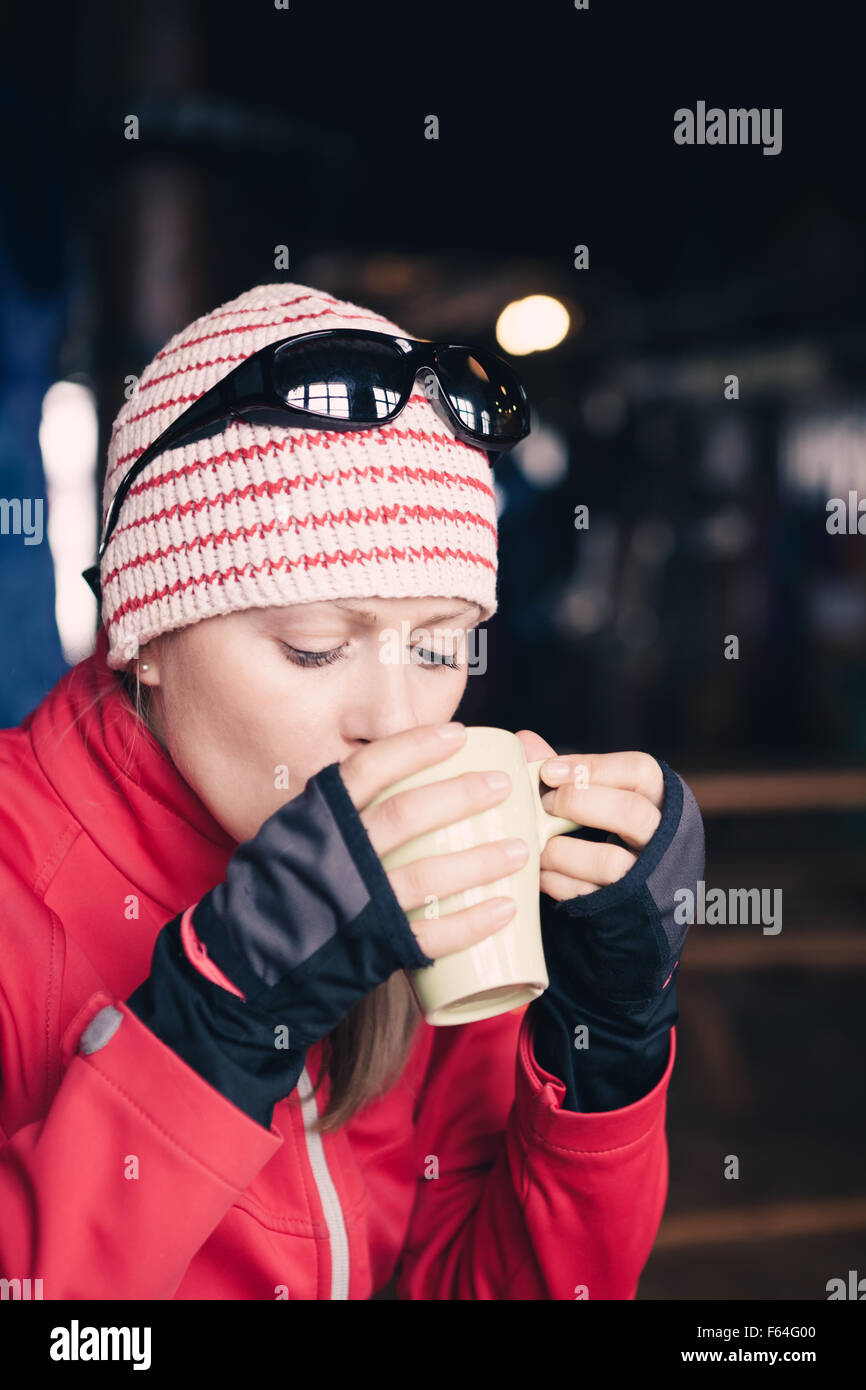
{"x": 505, "y": 970}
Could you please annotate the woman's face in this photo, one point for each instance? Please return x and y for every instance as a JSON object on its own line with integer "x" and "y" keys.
{"x": 247, "y": 724}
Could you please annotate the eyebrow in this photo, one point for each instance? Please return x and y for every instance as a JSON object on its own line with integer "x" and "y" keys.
{"x": 368, "y": 616}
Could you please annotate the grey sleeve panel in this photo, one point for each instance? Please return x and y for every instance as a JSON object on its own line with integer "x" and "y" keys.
{"x": 100, "y": 1030}
{"x": 680, "y": 867}
{"x": 288, "y": 888}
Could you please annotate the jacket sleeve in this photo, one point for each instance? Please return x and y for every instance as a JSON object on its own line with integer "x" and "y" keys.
{"x": 518, "y": 1198}
{"x": 112, "y": 1175}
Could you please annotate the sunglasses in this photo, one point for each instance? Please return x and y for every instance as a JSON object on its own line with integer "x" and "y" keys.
{"x": 350, "y": 379}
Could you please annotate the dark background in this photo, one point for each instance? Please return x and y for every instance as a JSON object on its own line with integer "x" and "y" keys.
{"x": 305, "y": 127}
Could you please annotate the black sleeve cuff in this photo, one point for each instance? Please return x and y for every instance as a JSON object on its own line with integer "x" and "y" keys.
{"x": 622, "y": 1060}
{"x": 226, "y": 1041}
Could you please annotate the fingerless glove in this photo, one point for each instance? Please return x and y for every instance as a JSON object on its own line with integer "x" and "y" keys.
{"x": 612, "y": 959}
{"x": 304, "y": 925}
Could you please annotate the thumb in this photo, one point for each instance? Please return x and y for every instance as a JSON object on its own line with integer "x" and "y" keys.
{"x": 534, "y": 746}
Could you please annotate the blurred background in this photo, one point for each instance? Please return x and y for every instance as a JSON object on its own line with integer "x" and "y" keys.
{"x": 697, "y": 374}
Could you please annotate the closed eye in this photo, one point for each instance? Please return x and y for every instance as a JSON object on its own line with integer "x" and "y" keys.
{"x": 299, "y": 657}
{"x": 302, "y": 658}
{"x": 438, "y": 659}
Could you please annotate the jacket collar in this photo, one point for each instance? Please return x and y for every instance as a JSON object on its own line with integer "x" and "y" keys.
{"x": 121, "y": 786}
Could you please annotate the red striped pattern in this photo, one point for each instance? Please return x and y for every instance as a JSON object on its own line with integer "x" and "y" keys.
{"x": 163, "y": 405}
{"x": 273, "y": 487}
{"x": 417, "y": 398}
{"x": 254, "y": 328}
{"x": 179, "y": 371}
{"x": 226, "y": 537}
{"x": 326, "y": 436}
{"x": 147, "y": 385}
{"x": 280, "y": 304}
{"x": 311, "y": 439}
{"x": 340, "y": 557}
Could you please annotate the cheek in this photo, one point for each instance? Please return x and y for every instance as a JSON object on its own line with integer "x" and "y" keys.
{"x": 221, "y": 735}
{"x": 437, "y": 695}
{"x": 248, "y": 744}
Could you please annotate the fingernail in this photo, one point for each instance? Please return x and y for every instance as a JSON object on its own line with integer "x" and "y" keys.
{"x": 503, "y": 910}
{"x": 516, "y": 850}
{"x": 497, "y": 781}
{"x": 556, "y": 768}
{"x": 451, "y": 732}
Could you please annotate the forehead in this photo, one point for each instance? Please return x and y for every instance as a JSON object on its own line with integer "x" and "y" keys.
{"x": 379, "y": 612}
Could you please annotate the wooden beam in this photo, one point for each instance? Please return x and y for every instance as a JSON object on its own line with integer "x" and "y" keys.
{"x": 745, "y": 1225}
{"x": 751, "y": 793}
{"x": 739, "y": 950}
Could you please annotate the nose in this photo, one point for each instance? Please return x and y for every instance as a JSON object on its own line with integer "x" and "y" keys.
{"x": 378, "y": 715}
{"x": 383, "y": 701}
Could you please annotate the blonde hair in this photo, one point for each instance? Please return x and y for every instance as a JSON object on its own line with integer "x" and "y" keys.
{"x": 367, "y": 1051}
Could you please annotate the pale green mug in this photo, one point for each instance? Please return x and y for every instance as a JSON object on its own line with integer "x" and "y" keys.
{"x": 506, "y": 970}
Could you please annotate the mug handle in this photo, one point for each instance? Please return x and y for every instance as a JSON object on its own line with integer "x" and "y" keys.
{"x": 546, "y": 824}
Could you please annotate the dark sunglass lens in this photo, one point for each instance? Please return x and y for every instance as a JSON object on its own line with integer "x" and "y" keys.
{"x": 486, "y": 397}
{"x": 344, "y": 378}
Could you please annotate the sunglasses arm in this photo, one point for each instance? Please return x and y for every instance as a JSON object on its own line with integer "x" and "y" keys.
{"x": 248, "y": 383}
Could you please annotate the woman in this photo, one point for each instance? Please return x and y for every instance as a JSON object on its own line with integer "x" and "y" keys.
{"x": 216, "y": 1081}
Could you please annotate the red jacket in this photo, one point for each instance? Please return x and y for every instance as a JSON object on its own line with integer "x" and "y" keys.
{"x": 123, "y": 1174}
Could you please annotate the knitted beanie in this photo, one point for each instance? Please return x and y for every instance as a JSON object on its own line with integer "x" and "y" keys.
{"x": 255, "y": 516}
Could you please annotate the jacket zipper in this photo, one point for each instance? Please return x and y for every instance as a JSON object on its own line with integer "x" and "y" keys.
{"x": 339, "y": 1242}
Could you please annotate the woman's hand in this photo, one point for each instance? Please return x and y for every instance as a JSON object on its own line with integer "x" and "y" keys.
{"x": 404, "y": 815}
{"x": 610, "y": 927}
{"x": 622, "y": 793}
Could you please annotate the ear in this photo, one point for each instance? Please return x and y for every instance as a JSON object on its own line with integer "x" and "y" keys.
{"x": 148, "y": 656}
